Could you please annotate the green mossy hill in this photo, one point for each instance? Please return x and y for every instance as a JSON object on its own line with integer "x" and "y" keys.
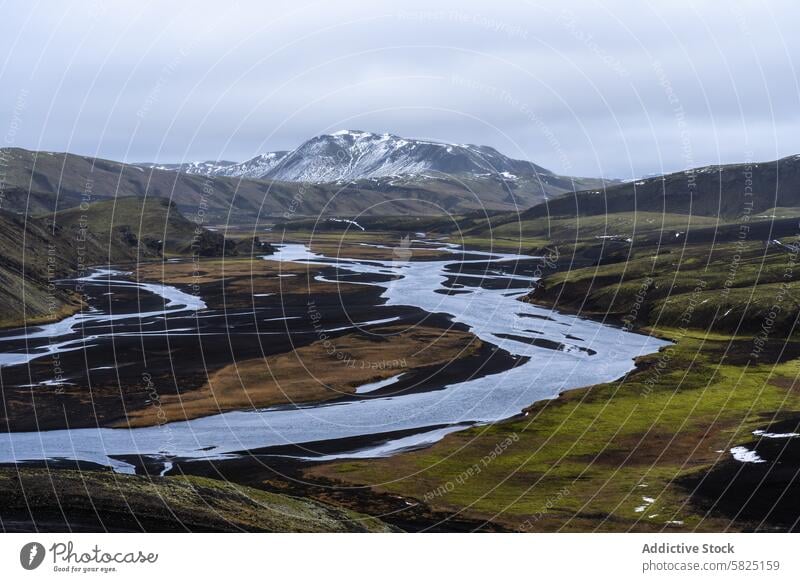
{"x": 71, "y": 500}
{"x": 133, "y": 228}
{"x": 726, "y": 286}
{"x": 37, "y": 251}
{"x": 618, "y": 456}
{"x": 32, "y": 257}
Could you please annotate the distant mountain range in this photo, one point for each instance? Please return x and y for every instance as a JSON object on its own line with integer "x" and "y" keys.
{"x": 347, "y": 173}
{"x": 356, "y": 173}
{"x": 351, "y": 155}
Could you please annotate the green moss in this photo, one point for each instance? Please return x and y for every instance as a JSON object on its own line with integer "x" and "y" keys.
{"x": 588, "y": 458}
{"x": 125, "y": 502}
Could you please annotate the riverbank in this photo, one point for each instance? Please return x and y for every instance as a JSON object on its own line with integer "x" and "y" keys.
{"x": 408, "y": 295}
{"x": 654, "y": 450}
{"x": 609, "y": 457}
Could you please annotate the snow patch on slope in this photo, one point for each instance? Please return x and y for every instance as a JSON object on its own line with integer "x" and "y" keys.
{"x": 349, "y": 155}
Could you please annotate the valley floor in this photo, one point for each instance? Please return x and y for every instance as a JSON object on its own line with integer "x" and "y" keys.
{"x": 699, "y": 437}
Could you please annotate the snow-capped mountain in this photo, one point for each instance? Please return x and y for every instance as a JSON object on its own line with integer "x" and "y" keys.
{"x": 354, "y": 155}
{"x": 350, "y": 155}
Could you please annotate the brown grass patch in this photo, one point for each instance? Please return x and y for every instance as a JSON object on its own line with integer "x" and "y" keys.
{"x": 315, "y": 372}
{"x": 243, "y": 277}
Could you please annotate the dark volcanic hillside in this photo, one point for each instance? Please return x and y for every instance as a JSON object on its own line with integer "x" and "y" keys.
{"x": 58, "y": 181}
{"x": 725, "y": 191}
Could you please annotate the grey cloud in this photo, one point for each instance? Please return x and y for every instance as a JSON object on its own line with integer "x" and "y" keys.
{"x": 609, "y": 88}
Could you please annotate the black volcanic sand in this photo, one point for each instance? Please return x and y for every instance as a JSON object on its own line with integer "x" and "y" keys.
{"x": 494, "y": 275}
{"x": 543, "y": 343}
{"x": 453, "y": 291}
{"x": 279, "y": 468}
{"x": 345, "y": 277}
{"x": 523, "y": 267}
{"x": 128, "y": 371}
{"x": 763, "y": 494}
{"x": 488, "y": 281}
{"x": 140, "y": 363}
{"x": 534, "y": 316}
{"x": 285, "y": 458}
{"x": 488, "y": 360}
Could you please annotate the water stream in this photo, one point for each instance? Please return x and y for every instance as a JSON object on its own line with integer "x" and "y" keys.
{"x": 562, "y": 352}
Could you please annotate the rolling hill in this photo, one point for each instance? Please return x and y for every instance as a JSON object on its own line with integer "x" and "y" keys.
{"x": 701, "y": 205}
{"x": 726, "y": 191}
{"x": 132, "y": 229}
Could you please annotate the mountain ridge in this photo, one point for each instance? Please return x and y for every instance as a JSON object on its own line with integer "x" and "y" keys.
{"x": 350, "y": 155}
{"x": 724, "y": 190}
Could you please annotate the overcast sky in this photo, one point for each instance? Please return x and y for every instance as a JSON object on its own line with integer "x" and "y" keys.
{"x": 619, "y": 89}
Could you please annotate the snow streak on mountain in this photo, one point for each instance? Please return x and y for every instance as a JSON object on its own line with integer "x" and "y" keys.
{"x": 354, "y": 155}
